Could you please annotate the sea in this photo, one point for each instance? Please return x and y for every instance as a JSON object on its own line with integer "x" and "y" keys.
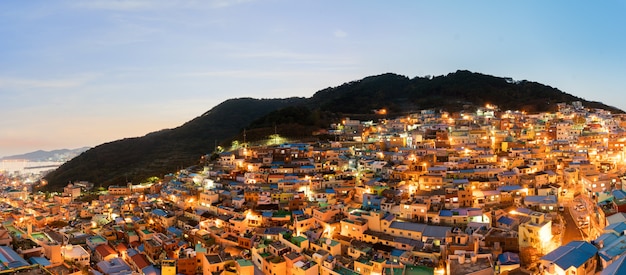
{"x": 27, "y": 167}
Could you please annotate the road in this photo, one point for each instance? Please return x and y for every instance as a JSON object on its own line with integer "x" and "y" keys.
{"x": 571, "y": 233}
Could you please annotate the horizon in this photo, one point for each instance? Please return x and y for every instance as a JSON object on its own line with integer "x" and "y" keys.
{"x": 86, "y": 73}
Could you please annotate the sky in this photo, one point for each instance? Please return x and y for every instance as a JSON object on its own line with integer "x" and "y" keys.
{"x": 82, "y": 73}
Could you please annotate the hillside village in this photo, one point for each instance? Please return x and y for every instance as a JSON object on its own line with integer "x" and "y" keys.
{"x": 478, "y": 192}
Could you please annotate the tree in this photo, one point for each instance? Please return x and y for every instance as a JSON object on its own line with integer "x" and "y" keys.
{"x": 579, "y": 120}
{"x": 529, "y": 255}
{"x": 234, "y": 145}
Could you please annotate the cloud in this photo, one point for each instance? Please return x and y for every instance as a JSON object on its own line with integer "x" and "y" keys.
{"x": 339, "y": 33}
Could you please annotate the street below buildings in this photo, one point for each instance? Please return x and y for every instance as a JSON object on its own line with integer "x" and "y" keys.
{"x": 571, "y": 232}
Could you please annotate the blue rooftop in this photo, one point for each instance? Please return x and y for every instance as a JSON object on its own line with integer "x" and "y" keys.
{"x": 541, "y": 199}
{"x": 175, "y": 231}
{"x": 151, "y": 270}
{"x": 10, "y": 259}
{"x": 436, "y": 231}
{"x": 605, "y": 238}
{"x": 506, "y": 221}
{"x": 574, "y": 254}
{"x": 617, "y": 267}
{"x": 115, "y": 265}
{"x": 619, "y": 227}
{"x": 613, "y": 249}
{"x": 40, "y": 261}
{"x": 619, "y": 194}
{"x": 508, "y": 258}
{"x": 445, "y": 213}
{"x": 397, "y": 252}
{"x": 159, "y": 212}
{"x": 508, "y": 188}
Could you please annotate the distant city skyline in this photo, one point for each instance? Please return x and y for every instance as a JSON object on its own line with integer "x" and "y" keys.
{"x": 82, "y": 73}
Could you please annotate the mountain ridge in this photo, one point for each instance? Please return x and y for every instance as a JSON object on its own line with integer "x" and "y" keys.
{"x": 52, "y": 155}
{"x": 164, "y": 151}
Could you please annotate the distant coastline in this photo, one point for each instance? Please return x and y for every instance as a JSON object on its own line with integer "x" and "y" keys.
{"x": 27, "y": 166}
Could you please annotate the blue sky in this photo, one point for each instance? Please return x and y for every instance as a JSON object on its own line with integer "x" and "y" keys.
{"x": 81, "y": 73}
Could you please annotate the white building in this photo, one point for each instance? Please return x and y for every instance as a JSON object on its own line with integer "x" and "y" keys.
{"x": 75, "y": 253}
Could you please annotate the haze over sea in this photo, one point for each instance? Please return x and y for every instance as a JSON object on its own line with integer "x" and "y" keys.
{"x": 27, "y": 167}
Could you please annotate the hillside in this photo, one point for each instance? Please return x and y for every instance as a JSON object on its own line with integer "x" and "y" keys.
{"x": 165, "y": 151}
{"x": 450, "y": 92}
{"x": 135, "y": 159}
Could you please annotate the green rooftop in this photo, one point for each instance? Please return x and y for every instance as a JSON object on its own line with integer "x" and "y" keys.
{"x": 97, "y": 238}
{"x": 297, "y": 240}
{"x": 393, "y": 271}
{"x": 344, "y": 271}
{"x": 418, "y": 270}
{"x": 281, "y": 214}
{"x": 244, "y": 262}
{"x": 332, "y": 242}
{"x": 14, "y": 230}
